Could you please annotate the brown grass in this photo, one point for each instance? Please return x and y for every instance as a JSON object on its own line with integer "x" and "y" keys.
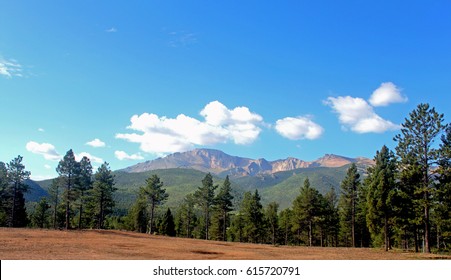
{"x": 33, "y": 244}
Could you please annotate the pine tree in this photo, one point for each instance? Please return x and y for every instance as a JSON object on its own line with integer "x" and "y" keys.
{"x": 167, "y": 225}
{"x": 443, "y": 211}
{"x": 138, "y": 214}
{"x": 155, "y": 195}
{"x": 223, "y": 207}
{"x": 331, "y": 218}
{"x": 273, "y": 220}
{"x": 416, "y": 141}
{"x": 252, "y": 211}
{"x": 16, "y": 177}
{"x": 4, "y": 196}
{"x": 307, "y": 209}
{"x": 381, "y": 188}
{"x": 68, "y": 170}
{"x": 54, "y": 197}
{"x": 205, "y": 198}
{"x": 84, "y": 184}
{"x": 40, "y": 217}
{"x": 348, "y": 204}
{"x": 285, "y": 218}
{"x": 186, "y": 217}
{"x": 102, "y": 194}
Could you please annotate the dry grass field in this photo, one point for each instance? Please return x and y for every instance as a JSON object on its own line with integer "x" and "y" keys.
{"x": 34, "y": 244}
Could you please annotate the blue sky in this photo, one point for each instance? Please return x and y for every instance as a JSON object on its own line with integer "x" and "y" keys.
{"x": 128, "y": 81}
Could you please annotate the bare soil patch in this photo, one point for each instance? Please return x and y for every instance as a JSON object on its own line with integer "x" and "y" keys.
{"x": 34, "y": 244}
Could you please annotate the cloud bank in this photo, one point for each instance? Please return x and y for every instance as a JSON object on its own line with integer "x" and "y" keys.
{"x": 161, "y": 135}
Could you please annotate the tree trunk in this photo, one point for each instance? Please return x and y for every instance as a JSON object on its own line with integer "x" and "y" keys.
{"x": 426, "y": 224}
{"x": 13, "y": 210}
{"x": 416, "y": 239}
{"x": 81, "y": 211}
{"x": 152, "y": 212}
{"x": 224, "y": 226}
{"x": 310, "y": 233}
{"x": 386, "y": 232}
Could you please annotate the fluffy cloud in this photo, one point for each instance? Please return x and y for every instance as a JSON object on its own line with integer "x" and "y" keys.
{"x": 386, "y": 94}
{"x": 96, "y": 143}
{"x": 161, "y": 135}
{"x": 45, "y": 149}
{"x": 359, "y": 116}
{"x": 10, "y": 68}
{"x": 299, "y": 128}
{"x": 121, "y": 155}
{"x": 92, "y": 158}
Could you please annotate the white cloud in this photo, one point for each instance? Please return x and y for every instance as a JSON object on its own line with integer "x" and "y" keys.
{"x": 386, "y": 94}
{"x": 299, "y": 128}
{"x": 41, "y": 130}
{"x": 111, "y": 30}
{"x": 92, "y": 158}
{"x": 45, "y": 149}
{"x": 96, "y": 143}
{"x": 161, "y": 135}
{"x": 10, "y": 68}
{"x": 121, "y": 155}
{"x": 46, "y": 166}
{"x": 359, "y": 116}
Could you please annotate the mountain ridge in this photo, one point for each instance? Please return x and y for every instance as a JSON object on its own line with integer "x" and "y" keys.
{"x": 218, "y": 162}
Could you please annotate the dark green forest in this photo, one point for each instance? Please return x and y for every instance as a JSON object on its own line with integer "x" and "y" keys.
{"x": 403, "y": 201}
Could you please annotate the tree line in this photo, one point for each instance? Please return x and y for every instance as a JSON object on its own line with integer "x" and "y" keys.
{"x": 77, "y": 197}
{"x": 402, "y": 201}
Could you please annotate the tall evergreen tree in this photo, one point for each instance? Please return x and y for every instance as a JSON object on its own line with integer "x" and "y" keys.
{"x": 272, "y": 219}
{"x": 68, "y": 170}
{"x": 4, "y": 197}
{"x": 138, "y": 214}
{"x": 102, "y": 193}
{"x": 84, "y": 184}
{"x": 252, "y": 211}
{"x": 381, "y": 187}
{"x": 40, "y": 217}
{"x": 155, "y": 195}
{"x": 331, "y": 218}
{"x": 285, "y": 218}
{"x": 348, "y": 204}
{"x": 443, "y": 211}
{"x": 54, "y": 197}
{"x": 187, "y": 217}
{"x": 16, "y": 177}
{"x": 167, "y": 225}
{"x": 418, "y": 134}
{"x": 205, "y": 198}
{"x": 223, "y": 207}
{"x": 307, "y": 209}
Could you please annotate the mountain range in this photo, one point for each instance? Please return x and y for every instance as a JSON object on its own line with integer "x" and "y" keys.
{"x": 222, "y": 164}
{"x": 182, "y": 174}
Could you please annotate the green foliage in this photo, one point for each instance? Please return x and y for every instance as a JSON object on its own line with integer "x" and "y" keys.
{"x": 155, "y": 195}
{"x": 223, "y": 206}
{"x": 381, "y": 191}
{"x": 348, "y": 206}
{"x": 205, "y": 199}
{"x": 252, "y": 215}
{"x": 41, "y": 216}
{"x": 16, "y": 176}
{"x": 415, "y": 149}
{"x": 307, "y": 211}
{"x": 272, "y": 220}
{"x": 102, "y": 201}
{"x": 68, "y": 169}
{"x": 167, "y": 225}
